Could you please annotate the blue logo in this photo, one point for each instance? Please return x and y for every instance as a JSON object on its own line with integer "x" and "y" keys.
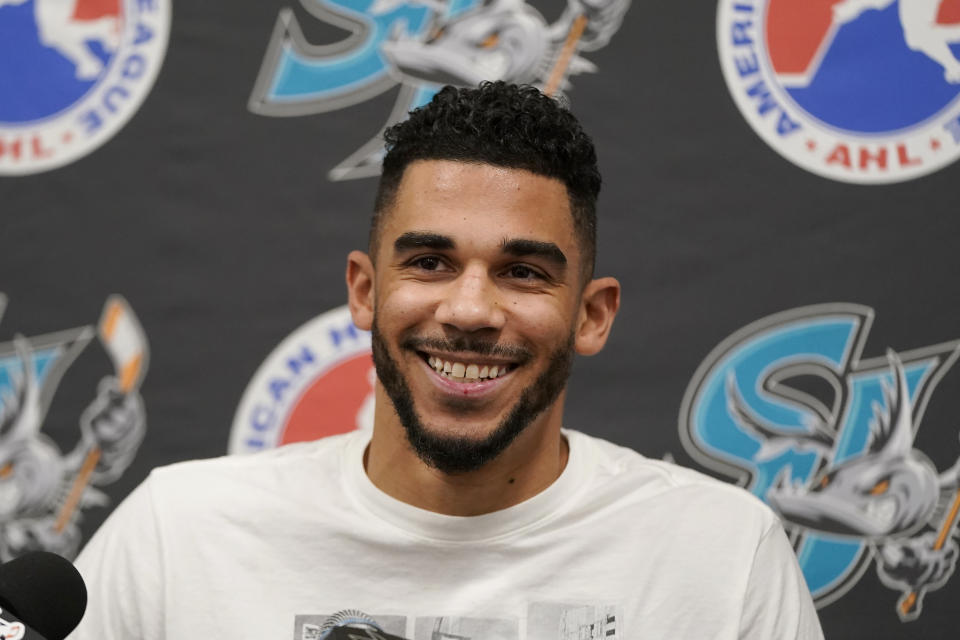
{"x": 422, "y": 45}
{"x": 73, "y": 72}
{"x": 864, "y": 91}
{"x": 788, "y": 408}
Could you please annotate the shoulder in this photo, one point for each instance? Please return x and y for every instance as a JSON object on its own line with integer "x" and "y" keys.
{"x": 286, "y": 457}
{"x": 292, "y": 472}
{"x": 645, "y": 484}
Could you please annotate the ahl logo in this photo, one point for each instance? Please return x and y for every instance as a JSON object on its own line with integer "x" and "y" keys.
{"x": 421, "y": 45}
{"x": 862, "y": 91}
{"x": 82, "y": 69}
{"x": 43, "y": 491}
{"x": 827, "y": 439}
{"x": 318, "y": 382}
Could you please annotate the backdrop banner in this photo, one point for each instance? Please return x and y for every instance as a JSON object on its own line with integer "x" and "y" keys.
{"x": 180, "y": 184}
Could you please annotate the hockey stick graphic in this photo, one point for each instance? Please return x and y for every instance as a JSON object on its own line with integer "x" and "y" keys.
{"x": 908, "y": 607}
{"x": 123, "y": 339}
{"x": 566, "y": 53}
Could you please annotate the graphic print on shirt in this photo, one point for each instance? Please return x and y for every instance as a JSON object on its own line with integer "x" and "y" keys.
{"x": 461, "y": 628}
{"x": 862, "y": 91}
{"x": 421, "y": 45}
{"x": 559, "y": 621}
{"x": 319, "y": 381}
{"x": 351, "y": 621}
{"x": 787, "y": 406}
{"x": 545, "y": 621}
{"x": 43, "y": 492}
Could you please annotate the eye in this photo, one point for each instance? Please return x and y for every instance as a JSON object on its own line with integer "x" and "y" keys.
{"x": 823, "y": 483}
{"x": 880, "y": 488}
{"x": 427, "y": 263}
{"x": 523, "y": 272}
{"x": 490, "y": 41}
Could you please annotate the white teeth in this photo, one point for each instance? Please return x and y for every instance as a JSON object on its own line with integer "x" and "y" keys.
{"x": 460, "y": 370}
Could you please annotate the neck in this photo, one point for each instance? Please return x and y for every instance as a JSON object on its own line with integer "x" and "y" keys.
{"x": 532, "y": 462}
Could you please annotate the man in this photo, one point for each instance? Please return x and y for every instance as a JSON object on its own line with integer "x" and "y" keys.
{"x": 469, "y": 513}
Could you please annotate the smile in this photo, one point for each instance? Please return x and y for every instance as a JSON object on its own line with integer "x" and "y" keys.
{"x": 464, "y": 371}
{"x": 467, "y": 372}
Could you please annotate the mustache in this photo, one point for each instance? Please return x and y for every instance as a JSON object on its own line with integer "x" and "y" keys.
{"x": 465, "y": 344}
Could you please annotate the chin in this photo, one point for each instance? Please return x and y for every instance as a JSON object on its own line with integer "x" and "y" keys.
{"x": 460, "y": 430}
{"x": 463, "y": 449}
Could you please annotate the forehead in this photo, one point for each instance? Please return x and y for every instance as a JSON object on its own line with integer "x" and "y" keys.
{"x": 473, "y": 201}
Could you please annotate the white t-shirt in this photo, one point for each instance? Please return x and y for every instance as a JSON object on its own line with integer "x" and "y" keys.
{"x": 285, "y": 543}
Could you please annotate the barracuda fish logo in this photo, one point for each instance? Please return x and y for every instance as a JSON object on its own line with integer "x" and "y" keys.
{"x": 788, "y": 408}
{"x": 421, "y": 45}
{"x": 890, "y": 490}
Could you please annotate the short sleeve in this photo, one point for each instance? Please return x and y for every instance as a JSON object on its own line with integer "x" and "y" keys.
{"x": 777, "y": 604}
{"x": 122, "y": 568}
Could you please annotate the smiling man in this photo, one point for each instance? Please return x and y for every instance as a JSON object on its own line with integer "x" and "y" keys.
{"x": 477, "y": 292}
{"x": 470, "y": 513}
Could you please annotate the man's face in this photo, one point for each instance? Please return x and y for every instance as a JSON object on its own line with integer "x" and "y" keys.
{"x": 476, "y": 296}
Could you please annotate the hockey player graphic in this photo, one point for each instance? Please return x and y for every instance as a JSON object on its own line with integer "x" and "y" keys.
{"x": 921, "y": 31}
{"x": 60, "y": 27}
{"x": 43, "y": 491}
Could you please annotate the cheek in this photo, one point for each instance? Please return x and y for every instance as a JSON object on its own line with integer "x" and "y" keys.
{"x": 403, "y": 305}
{"x": 541, "y": 319}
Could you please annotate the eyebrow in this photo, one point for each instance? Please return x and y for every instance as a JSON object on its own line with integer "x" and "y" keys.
{"x": 524, "y": 247}
{"x": 422, "y": 240}
{"x": 518, "y": 247}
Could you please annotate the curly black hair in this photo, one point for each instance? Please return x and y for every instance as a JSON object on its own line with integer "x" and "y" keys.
{"x": 505, "y": 125}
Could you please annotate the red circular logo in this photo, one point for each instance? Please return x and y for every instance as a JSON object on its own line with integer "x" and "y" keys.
{"x": 337, "y": 401}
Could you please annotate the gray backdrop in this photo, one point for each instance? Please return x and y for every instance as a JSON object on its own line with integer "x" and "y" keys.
{"x": 220, "y": 228}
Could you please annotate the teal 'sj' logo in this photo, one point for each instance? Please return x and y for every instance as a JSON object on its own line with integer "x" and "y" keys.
{"x": 787, "y": 407}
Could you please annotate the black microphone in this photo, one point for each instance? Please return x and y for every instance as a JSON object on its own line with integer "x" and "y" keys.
{"x": 43, "y": 594}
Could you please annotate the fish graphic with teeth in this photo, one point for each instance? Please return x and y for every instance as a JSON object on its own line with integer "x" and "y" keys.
{"x": 502, "y": 40}
{"x": 885, "y": 496}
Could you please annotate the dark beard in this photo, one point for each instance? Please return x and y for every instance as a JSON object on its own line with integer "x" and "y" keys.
{"x": 458, "y": 454}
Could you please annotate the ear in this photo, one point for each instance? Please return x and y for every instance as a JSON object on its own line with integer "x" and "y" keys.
{"x": 360, "y": 286}
{"x": 598, "y": 306}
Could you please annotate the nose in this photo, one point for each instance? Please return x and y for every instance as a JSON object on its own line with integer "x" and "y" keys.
{"x": 472, "y": 302}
